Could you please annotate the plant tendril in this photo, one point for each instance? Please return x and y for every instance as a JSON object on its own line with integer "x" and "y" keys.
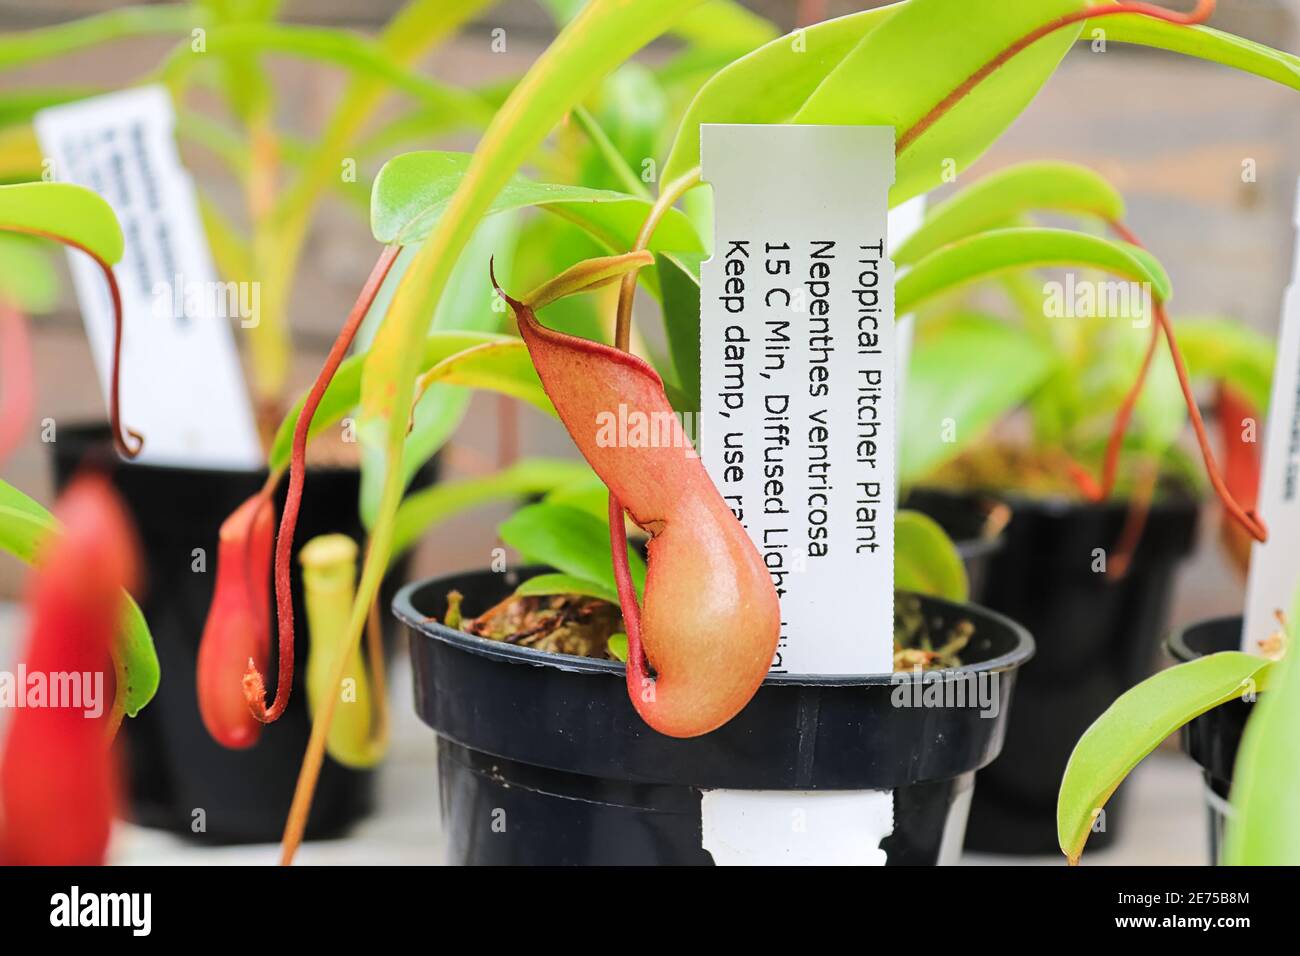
{"x": 254, "y": 684}
{"x": 128, "y": 442}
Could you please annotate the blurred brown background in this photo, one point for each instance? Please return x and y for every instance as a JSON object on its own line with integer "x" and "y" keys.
{"x": 1171, "y": 133}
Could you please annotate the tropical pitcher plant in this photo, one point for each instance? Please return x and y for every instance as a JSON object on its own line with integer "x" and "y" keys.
{"x": 948, "y": 75}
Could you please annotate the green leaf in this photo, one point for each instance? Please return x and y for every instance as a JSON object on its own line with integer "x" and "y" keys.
{"x": 572, "y": 541}
{"x": 990, "y": 253}
{"x": 1265, "y": 827}
{"x": 499, "y": 366}
{"x": 587, "y": 276}
{"x": 586, "y": 493}
{"x": 1202, "y": 42}
{"x": 617, "y": 645}
{"x": 29, "y": 46}
{"x": 970, "y": 375}
{"x": 20, "y": 106}
{"x": 679, "y": 287}
{"x": 413, "y": 190}
{"x": 27, "y": 277}
{"x": 906, "y": 67}
{"x": 544, "y": 585}
{"x": 925, "y": 559}
{"x": 1135, "y": 725}
{"x": 770, "y": 84}
{"x": 715, "y": 23}
{"x": 423, "y": 509}
{"x": 362, "y": 56}
{"x": 1000, "y": 197}
{"x": 69, "y": 214}
{"x": 1224, "y": 350}
{"x": 24, "y": 527}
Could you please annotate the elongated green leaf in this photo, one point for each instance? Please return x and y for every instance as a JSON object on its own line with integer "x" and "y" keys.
{"x": 770, "y": 84}
{"x": 70, "y": 214}
{"x": 999, "y": 198}
{"x": 960, "y": 382}
{"x": 714, "y": 23}
{"x": 990, "y": 253}
{"x": 679, "y": 286}
{"x": 423, "y": 509}
{"x": 925, "y": 559}
{"x": 1135, "y": 725}
{"x": 361, "y": 55}
{"x": 587, "y": 493}
{"x": 572, "y": 541}
{"x": 909, "y": 65}
{"x": 1265, "y": 827}
{"x": 547, "y": 584}
{"x": 588, "y": 276}
{"x": 1204, "y": 43}
{"x": 502, "y": 367}
{"x": 1219, "y": 349}
{"x": 20, "y": 106}
{"x": 24, "y": 526}
{"x": 30, "y": 46}
{"x": 413, "y": 190}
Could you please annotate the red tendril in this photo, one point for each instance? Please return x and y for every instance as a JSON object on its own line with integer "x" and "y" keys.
{"x": 127, "y": 442}
{"x": 636, "y": 662}
{"x": 254, "y": 685}
{"x": 1204, "y": 8}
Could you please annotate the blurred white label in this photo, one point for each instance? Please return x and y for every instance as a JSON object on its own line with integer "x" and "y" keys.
{"x": 798, "y": 375}
{"x": 1275, "y": 565}
{"x": 182, "y": 386}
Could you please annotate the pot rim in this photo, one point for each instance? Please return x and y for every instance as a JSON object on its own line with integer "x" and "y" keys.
{"x": 404, "y": 609}
{"x": 88, "y": 436}
{"x": 1179, "y": 500}
{"x": 1176, "y": 643}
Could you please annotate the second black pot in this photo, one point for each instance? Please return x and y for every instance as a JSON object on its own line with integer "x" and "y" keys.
{"x": 1096, "y": 635}
{"x": 1212, "y": 739}
{"x": 542, "y": 759}
{"x": 179, "y": 779}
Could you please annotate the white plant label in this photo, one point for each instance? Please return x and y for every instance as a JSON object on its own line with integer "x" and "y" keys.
{"x": 796, "y": 828}
{"x": 799, "y": 369}
{"x": 182, "y": 386}
{"x": 798, "y": 376}
{"x": 1275, "y": 565}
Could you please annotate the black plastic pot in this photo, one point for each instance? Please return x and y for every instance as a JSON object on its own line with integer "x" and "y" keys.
{"x": 1097, "y": 636}
{"x": 175, "y": 769}
{"x": 1212, "y": 739}
{"x": 966, "y": 522}
{"x": 550, "y": 744}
